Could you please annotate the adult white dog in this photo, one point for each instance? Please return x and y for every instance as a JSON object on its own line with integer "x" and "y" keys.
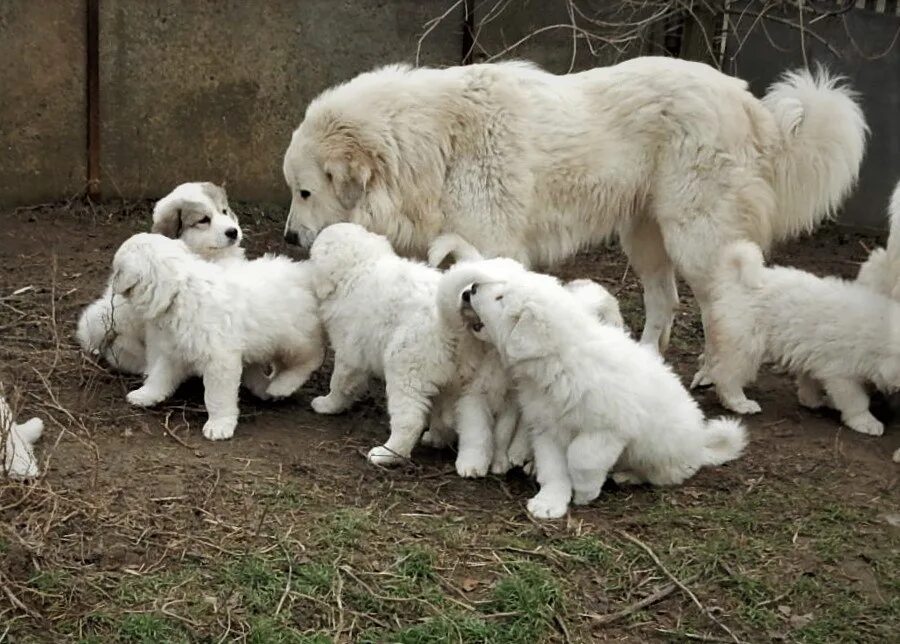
{"x": 596, "y": 401}
{"x": 380, "y": 315}
{"x": 838, "y": 332}
{"x": 198, "y": 214}
{"x": 486, "y": 423}
{"x": 210, "y": 321}
{"x": 673, "y": 156}
{"x": 17, "y": 440}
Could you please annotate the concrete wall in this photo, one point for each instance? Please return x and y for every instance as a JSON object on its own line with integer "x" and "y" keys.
{"x": 42, "y": 100}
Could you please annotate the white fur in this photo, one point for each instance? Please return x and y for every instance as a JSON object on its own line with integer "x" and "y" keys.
{"x": 673, "y": 156}
{"x": 210, "y": 320}
{"x": 19, "y": 461}
{"x": 380, "y": 314}
{"x": 596, "y": 401}
{"x": 881, "y": 271}
{"x": 198, "y": 214}
{"x": 837, "y": 332}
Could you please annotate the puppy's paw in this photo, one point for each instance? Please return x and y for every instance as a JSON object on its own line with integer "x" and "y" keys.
{"x": 625, "y": 478}
{"x": 810, "y": 398}
{"x": 745, "y": 407}
{"x": 897, "y": 455}
{"x": 472, "y": 464}
{"x": 326, "y": 405}
{"x": 144, "y": 397}
{"x": 865, "y": 424}
{"x": 432, "y": 438}
{"x": 547, "y": 507}
{"x": 583, "y": 497}
{"x": 519, "y": 453}
{"x": 701, "y": 379}
{"x": 500, "y": 464}
{"x": 384, "y": 457}
{"x": 219, "y": 429}
{"x": 281, "y": 389}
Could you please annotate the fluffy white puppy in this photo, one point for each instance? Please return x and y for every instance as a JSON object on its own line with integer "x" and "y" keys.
{"x": 595, "y": 400}
{"x": 526, "y": 164}
{"x": 19, "y": 461}
{"x": 881, "y": 271}
{"x": 838, "y": 332}
{"x": 210, "y": 321}
{"x": 380, "y": 315}
{"x": 198, "y": 214}
{"x": 486, "y": 423}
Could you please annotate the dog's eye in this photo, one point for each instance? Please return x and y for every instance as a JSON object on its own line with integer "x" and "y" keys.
{"x": 224, "y": 211}
{"x": 205, "y": 220}
{"x": 304, "y": 194}
{"x": 498, "y": 298}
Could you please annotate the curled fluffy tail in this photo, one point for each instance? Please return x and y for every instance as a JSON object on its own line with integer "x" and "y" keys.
{"x": 726, "y": 439}
{"x": 451, "y": 244}
{"x": 823, "y": 139}
{"x": 742, "y": 262}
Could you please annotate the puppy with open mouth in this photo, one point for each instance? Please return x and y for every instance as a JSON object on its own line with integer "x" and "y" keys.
{"x": 595, "y": 400}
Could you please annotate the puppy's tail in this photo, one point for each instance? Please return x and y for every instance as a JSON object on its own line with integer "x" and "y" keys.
{"x": 893, "y": 243}
{"x": 451, "y": 244}
{"x": 742, "y": 262}
{"x": 823, "y": 137}
{"x": 725, "y": 440}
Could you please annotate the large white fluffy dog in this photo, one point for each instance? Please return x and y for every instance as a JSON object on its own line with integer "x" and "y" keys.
{"x": 673, "y": 156}
{"x": 840, "y": 333}
{"x": 380, "y": 315}
{"x": 17, "y": 440}
{"x": 210, "y": 321}
{"x": 199, "y": 215}
{"x": 596, "y": 401}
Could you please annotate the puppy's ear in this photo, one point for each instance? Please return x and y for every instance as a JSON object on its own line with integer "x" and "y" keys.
{"x": 123, "y": 281}
{"x": 167, "y": 219}
{"x": 349, "y": 178}
{"x": 529, "y": 338}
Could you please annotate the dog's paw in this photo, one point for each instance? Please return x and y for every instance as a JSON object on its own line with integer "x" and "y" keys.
{"x": 746, "y": 406}
{"x": 281, "y": 389}
{"x": 431, "y": 438}
{"x": 144, "y": 397}
{"x": 810, "y": 399}
{"x": 583, "y": 497}
{"x": 219, "y": 429}
{"x": 865, "y": 424}
{"x": 384, "y": 457}
{"x": 625, "y": 478}
{"x": 326, "y": 405}
{"x": 897, "y": 455}
{"x": 701, "y": 379}
{"x": 500, "y": 464}
{"x": 519, "y": 453}
{"x": 547, "y": 507}
{"x": 472, "y": 464}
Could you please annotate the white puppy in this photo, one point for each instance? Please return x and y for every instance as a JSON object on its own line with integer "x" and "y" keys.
{"x": 487, "y": 414}
{"x": 199, "y": 215}
{"x": 17, "y": 440}
{"x": 380, "y": 314}
{"x": 210, "y": 320}
{"x": 835, "y": 331}
{"x": 596, "y": 401}
{"x": 881, "y": 271}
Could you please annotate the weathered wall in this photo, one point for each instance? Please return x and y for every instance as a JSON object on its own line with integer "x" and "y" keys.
{"x": 42, "y": 100}
{"x": 201, "y": 90}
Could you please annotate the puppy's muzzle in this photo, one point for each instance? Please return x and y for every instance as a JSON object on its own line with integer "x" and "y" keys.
{"x": 232, "y": 234}
{"x": 467, "y": 311}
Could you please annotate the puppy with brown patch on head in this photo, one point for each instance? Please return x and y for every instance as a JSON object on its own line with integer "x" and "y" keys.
{"x": 196, "y": 213}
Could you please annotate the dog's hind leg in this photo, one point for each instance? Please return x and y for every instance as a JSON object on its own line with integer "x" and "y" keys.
{"x": 347, "y": 384}
{"x": 591, "y": 456}
{"x": 256, "y": 381}
{"x": 290, "y": 378}
{"x": 553, "y": 476}
{"x": 163, "y": 378}
{"x": 809, "y": 392}
{"x": 408, "y": 408}
{"x": 504, "y": 432}
{"x": 643, "y": 243}
{"x": 850, "y": 398}
{"x": 221, "y": 381}
{"x": 475, "y": 447}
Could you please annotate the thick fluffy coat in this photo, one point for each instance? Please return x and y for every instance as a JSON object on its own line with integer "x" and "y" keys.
{"x": 596, "y": 401}
{"x": 838, "y": 332}
{"x": 673, "y": 156}
{"x": 210, "y": 321}
{"x": 199, "y": 215}
{"x": 881, "y": 271}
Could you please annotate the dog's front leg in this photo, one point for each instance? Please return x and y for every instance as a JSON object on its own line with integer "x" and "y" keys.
{"x": 850, "y": 398}
{"x": 163, "y": 377}
{"x": 408, "y": 408}
{"x": 475, "y": 449}
{"x": 221, "y": 381}
{"x": 591, "y": 455}
{"x": 553, "y": 476}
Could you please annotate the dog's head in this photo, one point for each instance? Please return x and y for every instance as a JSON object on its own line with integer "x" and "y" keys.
{"x": 199, "y": 215}
{"x": 457, "y": 312}
{"x": 148, "y": 270}
{"x": 331, "y": 167}
{"x": 340, "y": 249}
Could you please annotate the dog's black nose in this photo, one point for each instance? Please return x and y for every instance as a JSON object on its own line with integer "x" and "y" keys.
{"x": 292, "y": 238}
{"x": 231, "y": 233}
{"x": 468, "y": 293}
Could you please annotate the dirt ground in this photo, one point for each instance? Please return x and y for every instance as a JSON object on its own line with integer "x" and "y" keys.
{"x": 143, "y": 531}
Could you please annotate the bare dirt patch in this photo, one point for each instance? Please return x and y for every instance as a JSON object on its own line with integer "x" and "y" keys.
{"x": 141, "y": 530}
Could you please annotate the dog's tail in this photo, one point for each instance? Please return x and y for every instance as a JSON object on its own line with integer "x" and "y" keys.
{"x": 742, "y": 262}
{"x": 451, "y": 244}
{"x": 823, "y": 133}
{"x": 893, "y": 242}
{"x": 725, "y": 440}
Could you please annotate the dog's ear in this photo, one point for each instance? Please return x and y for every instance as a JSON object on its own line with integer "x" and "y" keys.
{"x": 349, "y": 177}
{"x": 123, "y": 281}
{"x": 167, "y": 219}
{"x": 529, "y": 338}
